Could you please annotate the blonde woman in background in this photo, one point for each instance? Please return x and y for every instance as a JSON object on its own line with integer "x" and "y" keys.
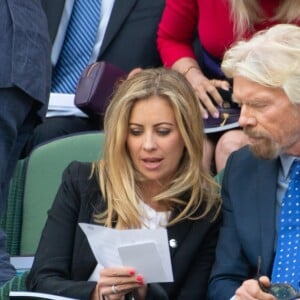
{"x": 219, "y": 23}
{"x": 151, "y": 176}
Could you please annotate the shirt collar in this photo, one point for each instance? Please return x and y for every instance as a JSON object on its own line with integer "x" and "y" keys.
{"x": 286, "y": 163}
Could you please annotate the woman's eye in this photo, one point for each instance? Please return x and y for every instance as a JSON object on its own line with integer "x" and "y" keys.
{"x": 135, "y": 131}
{"x": 163, "y": 131}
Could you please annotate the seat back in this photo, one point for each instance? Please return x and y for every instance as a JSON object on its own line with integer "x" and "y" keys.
{"x": 11, "y": 220}
{"x": 43, "y": 176}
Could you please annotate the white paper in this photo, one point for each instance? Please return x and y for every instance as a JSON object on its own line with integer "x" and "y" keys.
{"x": 132, "y": 248}
{"x": 22, "y": 263}
{"x": 32, "y": 295}
{"x": 147, "y": 262}
{"x": 63, "y": 105}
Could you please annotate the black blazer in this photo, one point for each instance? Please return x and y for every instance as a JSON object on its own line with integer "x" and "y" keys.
{"x": 64, "y": 260}
{"x": 130, "y": 37}
{"x": 249, "y": 229}
{"x": 25, "y": 49}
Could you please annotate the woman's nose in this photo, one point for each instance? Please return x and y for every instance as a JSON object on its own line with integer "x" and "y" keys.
{"x": 149, "y": 142}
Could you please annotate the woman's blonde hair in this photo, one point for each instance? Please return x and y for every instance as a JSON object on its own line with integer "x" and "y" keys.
{"x": 271, "y": 58}
{"x": 191, "y": 187}
{"x": 246, "y": 13}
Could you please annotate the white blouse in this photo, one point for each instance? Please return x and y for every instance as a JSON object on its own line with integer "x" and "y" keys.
{"x": 153, "y": 219}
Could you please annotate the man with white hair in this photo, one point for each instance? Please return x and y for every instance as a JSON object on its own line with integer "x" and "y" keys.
{"x": 258, "y": 253}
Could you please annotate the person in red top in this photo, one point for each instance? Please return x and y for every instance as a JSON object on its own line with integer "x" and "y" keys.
{"x": 219, "y": 24}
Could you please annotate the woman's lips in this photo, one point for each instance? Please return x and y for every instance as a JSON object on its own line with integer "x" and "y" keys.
{"x": 151, "y": 163}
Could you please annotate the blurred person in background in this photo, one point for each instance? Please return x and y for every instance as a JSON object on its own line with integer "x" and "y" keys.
{"x": 122, "y": 33}
{"x": 218, "y": 24}
{"x": 25, "y": 77}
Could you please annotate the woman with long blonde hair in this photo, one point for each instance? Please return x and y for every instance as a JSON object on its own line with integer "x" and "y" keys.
{"x": 151, "y": 176}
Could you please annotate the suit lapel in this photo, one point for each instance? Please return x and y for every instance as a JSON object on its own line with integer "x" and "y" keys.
{"x": 267, "y": 198}
{"x": 53, "y": 10}
{"x": 120, "y": 12}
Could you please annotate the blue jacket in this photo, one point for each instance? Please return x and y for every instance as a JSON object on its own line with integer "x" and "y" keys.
{"x": 25, "y": 49}
{"x": 249, "y": 223}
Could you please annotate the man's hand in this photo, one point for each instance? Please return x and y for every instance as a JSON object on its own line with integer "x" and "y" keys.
{"x": 251, "y": 290}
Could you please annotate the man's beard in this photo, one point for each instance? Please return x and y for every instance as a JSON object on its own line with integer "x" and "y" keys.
{"x": 266, "y": 147}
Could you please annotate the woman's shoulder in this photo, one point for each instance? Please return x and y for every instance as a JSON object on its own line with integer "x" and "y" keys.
{"x": 79, "y": 180}
{"x": 78, "y": 168}
{"x": 78, "y": 172}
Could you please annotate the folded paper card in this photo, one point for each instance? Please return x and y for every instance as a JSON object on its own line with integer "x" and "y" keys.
{"x": 145, "y": 258}
{"x": 145, "y": 250}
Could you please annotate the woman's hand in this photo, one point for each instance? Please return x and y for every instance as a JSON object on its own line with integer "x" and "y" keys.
{"x": 251, "y": 290}
{"x": 203, "y": 87}
{"x": 115, "y": 283}
{"x": 206, "y": 90}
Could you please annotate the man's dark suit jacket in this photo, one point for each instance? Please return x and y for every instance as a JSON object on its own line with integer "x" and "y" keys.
{"x": 64, "y": 260}
{"x": 130, "y": 37}
{"x": 25, "y": 49}
{"x": 249, "y": 229}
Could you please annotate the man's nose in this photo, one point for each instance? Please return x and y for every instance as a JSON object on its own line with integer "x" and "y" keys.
{"x": 246, "y": 117}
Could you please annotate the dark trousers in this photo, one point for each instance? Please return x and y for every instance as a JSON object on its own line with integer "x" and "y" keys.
{"x": 17, "y": 120}
{"x": 56, "y": 127}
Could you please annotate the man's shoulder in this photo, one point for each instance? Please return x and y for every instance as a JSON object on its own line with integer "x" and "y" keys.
{"x": 243, "y": 161}
{"x": 244, "y": 154}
